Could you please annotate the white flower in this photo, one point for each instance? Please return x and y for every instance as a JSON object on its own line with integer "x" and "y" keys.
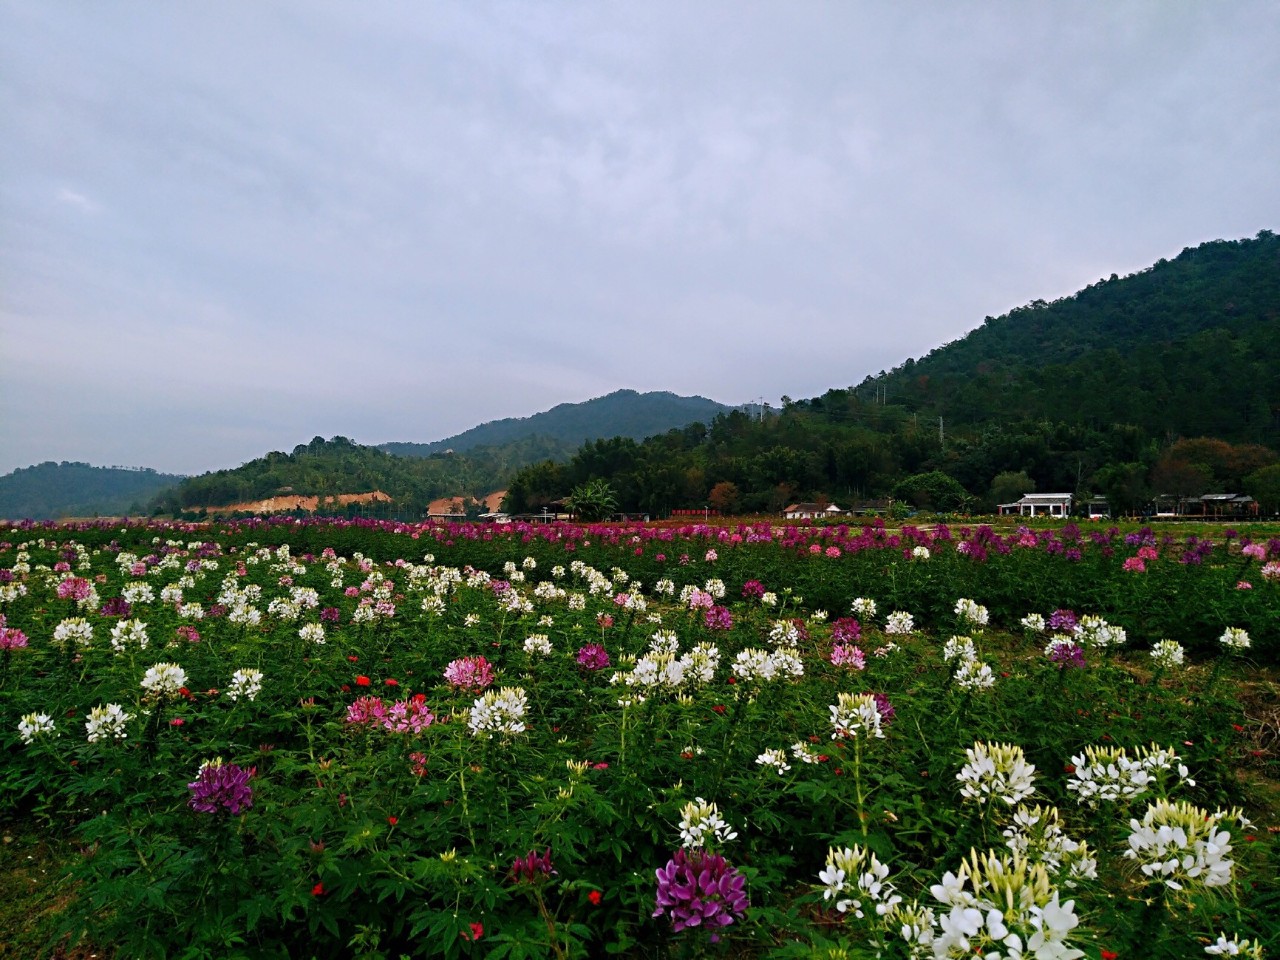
{"x": 971, "y": 612}
{"x": 961, "y": 648}
{"x": 74, "y": 629}
{"x": 776, "y": 759}
{"x": 920, "y": 553}
{"x": 1181, "y": 845}
{"x": 769, "y": 599}
{"x": 701, "y": 821}
{"x": 164, "y": 679}
{"x": 498, "y": 711}
{"x": 996, "y": 771}
{"x": 1034, "y": 623}
{"x": 1096, "y": 632}
{"x": 863, "y": 607}
{"x": 857, "y": 881}
{"x": 127, "y": 632}
{"x": 246, "y": 683}
{"x": 33, "y": 725}
{"x": 1235, "y": 639}
{"x": 312, "y": 633}
{"x": 974, "y": 675}
{"x": 537, "y": 644}
{"x": 854, "y": 715}
{"x": 107, "y": 723}
{"x": 899, "y": 622}
{"x": 1235, "y": 947}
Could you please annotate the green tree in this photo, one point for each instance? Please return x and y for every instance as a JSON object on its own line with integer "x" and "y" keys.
{"x": 1264, "y": 486}
{"x": 934, "y": 490}
{"x": 592, "y": 501}
{"x": 1010, "y": 485}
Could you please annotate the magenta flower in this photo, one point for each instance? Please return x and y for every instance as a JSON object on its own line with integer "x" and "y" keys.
{"x": 116, "y": 607}
{"x": 11, "y": 638}
{"x": 74, "y": 588}
{"x": 533, "y": 866}
{"x": 718, "y": 618}
{"x": 1135, "y": 565}
{"x": 221, "y": 785}
{"x": 593, "y": 656}
{"x": 1062, "y": 620}
{"x": 696, "y": 887}
{"x": 469, "y": 673}
{"x": 846, "y": 630}
{"x": 843, "y": 655}
{"x": 753, "y": 588}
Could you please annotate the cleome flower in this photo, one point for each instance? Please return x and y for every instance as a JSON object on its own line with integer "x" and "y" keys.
{"x": 1166, "y": 654}
{"x": 701, "y": 822}
{"x": 1181, "y": 845}
{"x": 221, "y": 786}
{"x": 857, "y": 881}
{"x": 996, "y": 771}
{"x": 164, "y": 680}
{"x": 1107, "y": 774}
{"x": 1234, "y": 639}
{"x": 1009, "y": 909}
{"x": 854, "y": 715}
{"x": 33, "y": 725}
{"x": 245, "y": 684}
{"x": 698, "y": 888}
{"x": 498, "y": 711}
{"x": 107, "y": 723}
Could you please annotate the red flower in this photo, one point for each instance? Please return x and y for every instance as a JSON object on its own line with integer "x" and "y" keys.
{"x": 1109, "y": 955}
{"x": 362, "y": 681}
{"x": 392, "y": 682}
{"x": 318, "y": 890}
{"x": 594, "y": 896}
{"x": 352, "y": 657}
{"x": 718, "y": 708}
{"x": 477, "y": 931}
{"x": 176, "y": 722}
{"x": 1069, "y": 768}
{"x": 1237, "y": 728}
{"x": 393, "y": 820}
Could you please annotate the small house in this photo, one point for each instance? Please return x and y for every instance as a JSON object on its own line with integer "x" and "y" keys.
{"x": 1039, "y": 505}
{"x": 812, "y": 511}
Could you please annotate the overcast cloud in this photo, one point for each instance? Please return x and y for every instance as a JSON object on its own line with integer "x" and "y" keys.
{"x": 227, "y": 228}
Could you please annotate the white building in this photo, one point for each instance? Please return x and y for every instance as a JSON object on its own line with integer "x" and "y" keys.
{"x": 1039, "y": 505}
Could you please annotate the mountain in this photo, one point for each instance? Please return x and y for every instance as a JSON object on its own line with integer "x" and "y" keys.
{"x": 1188, "y": 347}
{"x": 623, "y": 413}
{"x": 50, "y": 491}
{"x": 1163, "y": 382}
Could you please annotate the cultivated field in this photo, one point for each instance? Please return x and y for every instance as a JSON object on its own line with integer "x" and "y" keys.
{"x": 311, "y": 738}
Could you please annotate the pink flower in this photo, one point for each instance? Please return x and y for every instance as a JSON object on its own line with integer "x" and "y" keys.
{"x": 469, "y": 673}
{"x": 833, "y": 552}
{"x": 846, "y": 655}
{"x": 1244, "y": 585}
{"x": 1148, "y": 553}
{"x": 712, "y": 556}
{"x": 1135, "y": 565}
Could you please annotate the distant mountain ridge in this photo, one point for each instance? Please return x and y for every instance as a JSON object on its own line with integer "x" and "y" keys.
{"x": 51, "y": 491}
{"x": 623, "y": 413}
{"x": 1187, "y": 347}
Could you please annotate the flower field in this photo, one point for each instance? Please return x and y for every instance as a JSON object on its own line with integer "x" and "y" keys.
{"x": 323, "y": 739}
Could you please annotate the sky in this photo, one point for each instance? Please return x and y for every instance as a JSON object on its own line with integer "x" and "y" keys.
{"x": 228, "y": 228}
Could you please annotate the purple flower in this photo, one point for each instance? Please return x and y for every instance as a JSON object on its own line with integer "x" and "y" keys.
{"x": 116, "y": 607}
{"x": 1068, "y": 656}
{"x": 532, "y": 866}
{"x": 331, "y": 614}
{"x": 753, "y": 588}
{"x": 593, "y": 656}
{"x": 884, "y": 707}
{"x": 1063, "y": 620}
{"x": 221, "y": 785}
{"x": 696, "y": 887}
{"x": 846, "y": 630}
{"x": 11, "y": 638}
{"x": 718, "y": 618}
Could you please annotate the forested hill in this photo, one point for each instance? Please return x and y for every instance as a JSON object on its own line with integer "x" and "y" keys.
{"x": 1189, "y": 347}
{"x": 50, "y": 491}
{"x": 623, "y": 413}
{"x": 330, "y": 468}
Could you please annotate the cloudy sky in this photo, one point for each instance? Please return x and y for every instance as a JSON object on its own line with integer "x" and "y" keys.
{"x": 227, "y": 228}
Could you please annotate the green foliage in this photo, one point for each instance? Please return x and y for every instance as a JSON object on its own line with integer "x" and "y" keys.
{"x": 592, "y": 501}
{"x": 374, "y": 842}
{"x": 623, "y": 413}
{"x": 49, "y": 491}
{"x": 933, "y": 490}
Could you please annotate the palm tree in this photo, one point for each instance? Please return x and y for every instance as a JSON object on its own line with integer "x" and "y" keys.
{"x": 591, "y": 501}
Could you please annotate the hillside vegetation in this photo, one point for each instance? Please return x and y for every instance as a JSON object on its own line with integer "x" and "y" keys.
{"x": 623, "y": 413}
{"x": 51, "y": 491}
{"x": 1164, "y": 382}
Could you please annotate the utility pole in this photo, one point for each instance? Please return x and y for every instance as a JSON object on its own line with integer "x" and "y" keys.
{"x": 941, "y": 436}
